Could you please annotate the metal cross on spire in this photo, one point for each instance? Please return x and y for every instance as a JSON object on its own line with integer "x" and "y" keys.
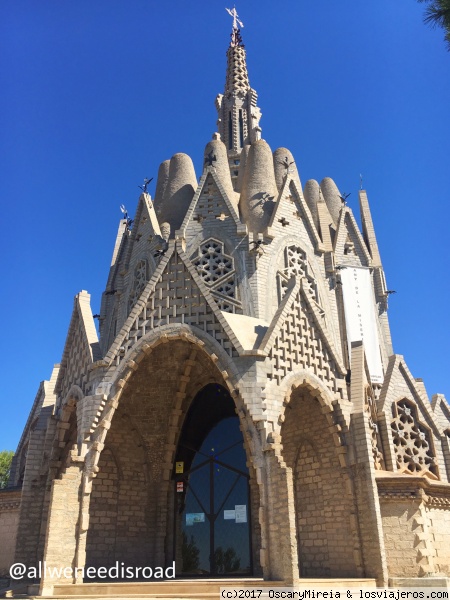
{"x": 236, "y": 21}
{"x": 236, "y": 39}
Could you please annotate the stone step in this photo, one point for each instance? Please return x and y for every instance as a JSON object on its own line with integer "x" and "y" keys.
{"x": 187, "y": 589}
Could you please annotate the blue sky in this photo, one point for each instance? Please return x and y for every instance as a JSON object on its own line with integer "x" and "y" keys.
{"x": 96, "y": 93}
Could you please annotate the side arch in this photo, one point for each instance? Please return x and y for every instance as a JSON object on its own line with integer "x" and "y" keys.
{"x": 336, "y": 412}
{"x": 313, "y": 445}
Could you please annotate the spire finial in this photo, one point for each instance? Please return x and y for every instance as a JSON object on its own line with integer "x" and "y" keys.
{"x": 236, "y": 39}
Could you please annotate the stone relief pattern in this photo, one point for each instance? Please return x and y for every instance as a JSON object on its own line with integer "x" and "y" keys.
{"x": 177, "y": 299}
{"x": 413, "y": 450}
{"x": 74, "y": 370}
{"x": 299, "y": 344}
{"x": 217, "y": 271}
{"x": 211, "y": 206}
{"x": 370, "y": 407}
{"x": 139, "y": 282}
{"x": 237, "y": 76}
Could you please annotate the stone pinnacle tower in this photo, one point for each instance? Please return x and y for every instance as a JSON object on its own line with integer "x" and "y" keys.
{"x": 238, "y": 113}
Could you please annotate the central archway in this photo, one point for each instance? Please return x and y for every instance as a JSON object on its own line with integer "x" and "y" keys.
{"x": 212, "y": 532}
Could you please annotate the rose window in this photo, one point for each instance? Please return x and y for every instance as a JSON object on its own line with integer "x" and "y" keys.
{"x": 212, "y": 263}
{"x": 413, "y": 449}
{"x": 217, "y": 270}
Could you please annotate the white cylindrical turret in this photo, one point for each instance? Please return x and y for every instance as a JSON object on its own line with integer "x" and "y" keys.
{"x": 259, "y": 190}
{"x": 179, "y": 191}
{"x": 331, "y": 195}
{"x": 216, "y": 148}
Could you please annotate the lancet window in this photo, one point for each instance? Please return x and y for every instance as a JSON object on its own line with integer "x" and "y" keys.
{"x": 139, "y": 282}
{"x": 296, "y": 263}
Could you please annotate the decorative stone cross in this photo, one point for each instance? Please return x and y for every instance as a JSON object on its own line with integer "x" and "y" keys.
{"x": 283, "y": 221}
{"x": 222, "y": 217}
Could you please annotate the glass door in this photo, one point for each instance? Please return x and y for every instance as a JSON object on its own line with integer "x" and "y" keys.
{"x": 212, "y": 506}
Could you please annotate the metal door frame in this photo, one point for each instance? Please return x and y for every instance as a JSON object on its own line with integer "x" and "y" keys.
{"x": 211, "y": 516}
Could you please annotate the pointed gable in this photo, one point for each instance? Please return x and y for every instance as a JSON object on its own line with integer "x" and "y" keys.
{"x": 298, "y": 338}
{"x": 132, "y": 269}
{"x": 175, "y": 294}
{"x": 412, "y": 428}
{"x": 211, "y": 208}
{"x": 349, "y": 246}
{"x": 108, "y": 307}
{"x": 43, "y": 407}
{"x": 118, "y": 252}
{"x": 399, "y": 383}
{"x": 145, "y": 229}
{"x": 441, "y": 410}
{"x": 291, "y": 215}
{"x": 81, "y": 348}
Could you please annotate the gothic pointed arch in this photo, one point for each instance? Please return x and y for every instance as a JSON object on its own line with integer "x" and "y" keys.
{"x": 323, "y": 495}
{"x": 146, "y": 425}
{"x": 295, "y": 264}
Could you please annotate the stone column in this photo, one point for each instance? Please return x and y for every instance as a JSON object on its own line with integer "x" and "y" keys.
{"x": 32, "y": 508}
{"x": 280, "y": 561}
{"x": 62, "y": 528}
{"x": 362, "y": 469}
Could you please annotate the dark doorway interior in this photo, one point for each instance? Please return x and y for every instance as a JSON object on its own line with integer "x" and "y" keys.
{"x": 212, "y": 493}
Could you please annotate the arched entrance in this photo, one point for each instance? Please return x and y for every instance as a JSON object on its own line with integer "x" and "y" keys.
{"x": 212, "y": 533}
{"x": 322, "y": 490}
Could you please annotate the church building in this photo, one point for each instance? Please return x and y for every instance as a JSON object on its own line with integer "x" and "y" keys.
{"x": 241, "y": 413}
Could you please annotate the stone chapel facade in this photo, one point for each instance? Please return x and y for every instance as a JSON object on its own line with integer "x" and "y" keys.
{"x": 224, "y": 325}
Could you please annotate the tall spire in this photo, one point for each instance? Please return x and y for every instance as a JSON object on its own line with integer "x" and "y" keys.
{"x": 237, "y": 75}
{"x": 238, "y": 113}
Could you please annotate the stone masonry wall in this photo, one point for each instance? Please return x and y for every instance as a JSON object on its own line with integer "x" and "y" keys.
{"x": 119, "y": 524}
{"x": 400, "y": 526}
{"x": 102, "y": 535}
{"x": 62, "y": 525}
{"x": 9, "y": 521}
{"x": 33, "y": 492}
{"x": 440, "y": 527}
{"x": 323, "y": 502}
